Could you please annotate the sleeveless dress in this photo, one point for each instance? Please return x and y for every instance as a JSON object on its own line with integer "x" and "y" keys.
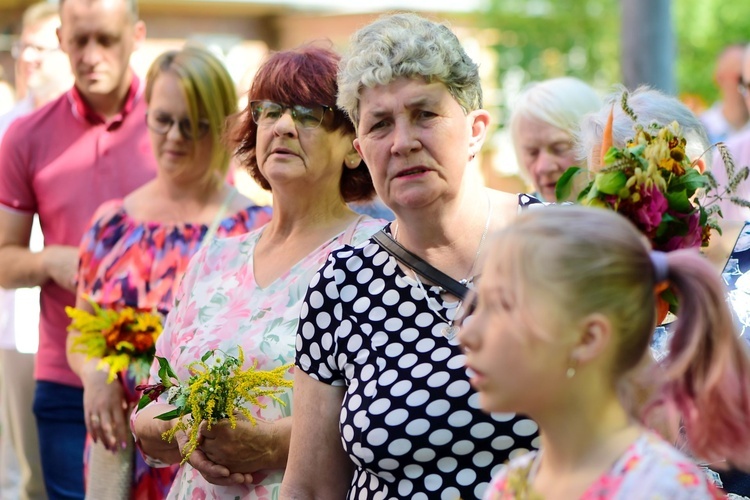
{"x": 130, "y": 263}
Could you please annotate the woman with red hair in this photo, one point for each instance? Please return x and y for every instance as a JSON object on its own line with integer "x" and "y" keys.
{"x": 247, "y": 291}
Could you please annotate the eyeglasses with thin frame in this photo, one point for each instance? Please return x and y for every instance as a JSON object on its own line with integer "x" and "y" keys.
{"x": 267, "y": 113}
{"x": 19, "y": 47}
{"x": 744, "y": 88}
{"x": 162, "y": 123}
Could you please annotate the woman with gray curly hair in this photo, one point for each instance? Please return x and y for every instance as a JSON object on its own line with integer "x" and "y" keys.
{"x": 378, "y": 368}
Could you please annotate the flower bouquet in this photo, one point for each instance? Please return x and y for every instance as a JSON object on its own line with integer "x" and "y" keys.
{"x": 212, "y": 393}
{"x": 123, "y": 339}
{"x": 653, "y": 183}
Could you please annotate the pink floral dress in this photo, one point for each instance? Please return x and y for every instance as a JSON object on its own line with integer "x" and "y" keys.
{"x": 129, "y": 263}
{"x": 650, "y": 469}
{"x": 220, "y": 306}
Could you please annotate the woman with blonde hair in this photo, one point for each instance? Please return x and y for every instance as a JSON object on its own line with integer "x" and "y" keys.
{"x": 137, "y": 249}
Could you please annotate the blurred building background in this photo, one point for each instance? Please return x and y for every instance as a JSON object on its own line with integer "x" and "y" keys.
{"x": 515, "y": 41}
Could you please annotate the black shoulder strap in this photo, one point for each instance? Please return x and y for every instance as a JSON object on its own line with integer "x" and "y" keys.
{"x": 420, "y": 266}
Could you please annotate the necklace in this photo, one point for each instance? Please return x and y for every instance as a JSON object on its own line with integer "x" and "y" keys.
{"x": 450, "y": 330}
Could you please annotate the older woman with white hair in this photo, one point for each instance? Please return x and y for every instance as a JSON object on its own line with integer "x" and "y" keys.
{"x": 381, "y": 393}
{"x": 543, "y": 126}
{"x": 650, "y": 106}
{"x": 653, "y": 106}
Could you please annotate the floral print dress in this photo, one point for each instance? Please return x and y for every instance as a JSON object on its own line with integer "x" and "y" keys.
{"x": 650, "y": 469}
{"x": 129, "y": 263}
{"x": 220, "y": 306}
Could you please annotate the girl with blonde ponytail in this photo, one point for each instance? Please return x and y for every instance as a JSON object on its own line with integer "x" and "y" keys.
{"x": 564, "y": 318}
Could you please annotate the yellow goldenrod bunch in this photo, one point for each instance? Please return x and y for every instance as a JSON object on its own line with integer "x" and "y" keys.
{"x": 213, "y": 392}
{"x": 123, "y": 339}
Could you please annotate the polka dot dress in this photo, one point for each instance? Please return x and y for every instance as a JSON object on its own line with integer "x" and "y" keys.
{"x": 410, "y": 421}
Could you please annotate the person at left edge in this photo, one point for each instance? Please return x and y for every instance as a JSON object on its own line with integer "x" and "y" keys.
{"x": 61, "y": 162}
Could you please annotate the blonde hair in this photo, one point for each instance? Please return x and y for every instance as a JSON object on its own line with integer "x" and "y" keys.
{"x": 581, "y": 260}
{"x": 37, "y": 13}
{"x": 209, "y": 92}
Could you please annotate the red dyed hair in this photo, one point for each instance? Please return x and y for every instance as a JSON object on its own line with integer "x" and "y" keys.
{"x": 305, "y": 75}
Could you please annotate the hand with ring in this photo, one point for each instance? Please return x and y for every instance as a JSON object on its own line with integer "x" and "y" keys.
{"x": 105, "y": 407}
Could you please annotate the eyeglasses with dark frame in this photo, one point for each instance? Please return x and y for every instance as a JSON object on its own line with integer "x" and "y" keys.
{"x": 161, "y": 123}
{"x": 267, "y": 113}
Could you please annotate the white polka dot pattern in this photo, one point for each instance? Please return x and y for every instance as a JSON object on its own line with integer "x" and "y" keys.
{"x": 410, "y": 421}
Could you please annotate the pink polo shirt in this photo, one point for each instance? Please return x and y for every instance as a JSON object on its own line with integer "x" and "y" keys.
{"x": 62, "y": 162}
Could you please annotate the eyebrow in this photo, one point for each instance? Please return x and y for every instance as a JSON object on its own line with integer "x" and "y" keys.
{"x": 417, "y": 102}
{"x": 422, "y": 101}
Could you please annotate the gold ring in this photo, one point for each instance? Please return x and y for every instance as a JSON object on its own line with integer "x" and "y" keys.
{"x": 95, "y": 419}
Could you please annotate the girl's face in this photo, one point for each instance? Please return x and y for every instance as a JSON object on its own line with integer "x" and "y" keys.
{"x": 514, "y": 368}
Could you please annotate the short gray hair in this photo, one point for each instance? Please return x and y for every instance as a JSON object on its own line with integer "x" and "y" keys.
{"x": 560, "y": 102}
{"x": 650, "y": 106}
{"x": 407, "y": 45}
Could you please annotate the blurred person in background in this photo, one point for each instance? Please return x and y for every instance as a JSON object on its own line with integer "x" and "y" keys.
{"x": 43, "y": 71}
{"x": 7, "y": 93}
{"x": 739, "y": 147}
{"x": 728, "y": 115}
{"x": 61, "y": 162}
{"x": 543, "y": 126}
{"x": 136, "y": 250}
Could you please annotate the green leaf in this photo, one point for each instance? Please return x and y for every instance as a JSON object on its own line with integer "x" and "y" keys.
{"x": 679, "y": 201}
{"x": 610, "y": 182}
{"x": 175, "y": 413}
{"x": 206, "y": 356}
{"x": 612, "y": 155}
{"x": 583, "y": 194}
{"x": 689, "y": 182}
{"x": 564, "y": 185}
{"x": 143, "y": 402}
{"x": 166, "y": 374}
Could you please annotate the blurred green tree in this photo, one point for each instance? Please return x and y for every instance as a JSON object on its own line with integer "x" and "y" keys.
{"x": 703, "y": 29}
{"x": 538, "y": 39}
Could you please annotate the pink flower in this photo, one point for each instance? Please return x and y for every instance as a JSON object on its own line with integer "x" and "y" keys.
{"x": 648, "y": 212}
{"x": 692, "y": 239}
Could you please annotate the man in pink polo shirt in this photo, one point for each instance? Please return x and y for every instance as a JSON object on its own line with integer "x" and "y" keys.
{"x": 61, "y": 162}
